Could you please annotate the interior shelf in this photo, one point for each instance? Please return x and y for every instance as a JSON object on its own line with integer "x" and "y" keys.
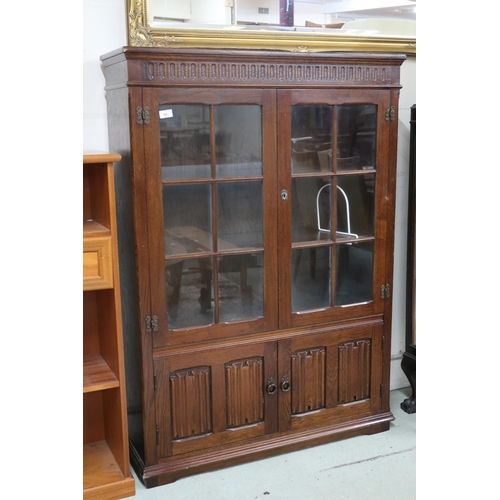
{"x": 101, "y": 474}
{"x": 97, "y": 375}
{"x": 94, "y": 228}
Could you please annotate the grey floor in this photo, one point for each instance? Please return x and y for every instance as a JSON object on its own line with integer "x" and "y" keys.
{"x": 379, "y": 467}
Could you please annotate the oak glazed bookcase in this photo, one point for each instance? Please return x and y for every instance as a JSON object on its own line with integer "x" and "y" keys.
{"x": 256, "y": 198}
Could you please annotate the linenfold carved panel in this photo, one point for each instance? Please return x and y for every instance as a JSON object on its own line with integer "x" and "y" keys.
{"x": 354, "y": 371}
{"x": 308, "y": 380}
{"x": 191, "y": 402}
{"x": 201, "y": 72}
{"x": 245, "y": 392}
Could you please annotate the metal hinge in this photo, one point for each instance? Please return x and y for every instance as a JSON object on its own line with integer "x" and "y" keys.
{"x": 155, "y": 382}
{"x": 385, "y": 291}
{"x": 157, "y": 437}
{"x": 383, "y": 344}
{"x": 381, "y": 390}
{"x": 142, "y": 115}
{"x": 390, "y": 113}
{"x": 152, "y": 324}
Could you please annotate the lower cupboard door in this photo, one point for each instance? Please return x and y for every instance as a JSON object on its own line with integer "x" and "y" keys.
{"x": 215, "y": 398}
{"x": 330, "y": 377}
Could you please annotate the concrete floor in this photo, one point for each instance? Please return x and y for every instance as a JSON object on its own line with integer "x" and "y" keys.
{"x": 378, "y": 467}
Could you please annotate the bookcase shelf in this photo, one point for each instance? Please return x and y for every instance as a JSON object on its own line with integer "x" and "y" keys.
{"x": 97, "y": 375}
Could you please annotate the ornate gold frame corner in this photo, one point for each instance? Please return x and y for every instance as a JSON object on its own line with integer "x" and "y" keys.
{"x": 141, "y": 34}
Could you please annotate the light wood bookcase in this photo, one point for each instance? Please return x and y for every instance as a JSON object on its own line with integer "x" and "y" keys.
{"x": 106, "y": 465}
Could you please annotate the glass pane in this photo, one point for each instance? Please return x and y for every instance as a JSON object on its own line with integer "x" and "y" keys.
{"x": 356, "y": 139}
{"x": 355, "y": 205}
{"x": 189, "y": 292}
{"x": 354, "y": 274}
{"x": 311, "y": 199}
{"x": 311, "y": 281}
{"x": 306, "y": 205}
{"x": 238, "y": 139}
{"x": 311, "y": 139}
{"x": 185, "y": 141}
{"x": 239, "y": 214}
{"x": 187, "y": 215}
{"x": 241, "y": 288}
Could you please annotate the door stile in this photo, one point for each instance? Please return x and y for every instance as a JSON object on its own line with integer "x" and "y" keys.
{"x": 141, "y": 187}
{"x": 213, "y": 187}
{"x": 377, "y": 369}
{"x": 163, "y": 409}
{"x": 140, "y": 207}
{"x": 381, "y": 201}
{"x": 154, "y": 221}
{"x": 270, "y": 199}
{"x": 271, "y": 401}
{"x": 390, "y": 227}
{"x": 333, "y": 222}
{"x": 284, "y": 221}
{"x": 285, "y": 398}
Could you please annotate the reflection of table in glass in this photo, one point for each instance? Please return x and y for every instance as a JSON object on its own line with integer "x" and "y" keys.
{"x": 197, "y": 240}
{"x": 186, "y": 240}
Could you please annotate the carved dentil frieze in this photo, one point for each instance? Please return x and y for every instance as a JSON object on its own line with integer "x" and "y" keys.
{"x": 200, "y": 72}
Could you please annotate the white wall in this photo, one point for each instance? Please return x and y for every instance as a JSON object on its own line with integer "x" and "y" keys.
{"x": 171, "y": 9}
{"x": 406, "y": 100}
{"x": 206, "y": 12}
{"x": 247, "y": 11}
{"x": 305, "y": 11}
{"x": 105, "y": 29}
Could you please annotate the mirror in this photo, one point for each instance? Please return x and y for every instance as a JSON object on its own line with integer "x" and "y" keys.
{"x": 292, "y": 25}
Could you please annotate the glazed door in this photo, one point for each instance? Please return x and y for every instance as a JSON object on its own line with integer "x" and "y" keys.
{"x": 332, "y": 159}
{"x": 330, "y": 377}
{"x": 208, "y": 398}
{"x": 265, "y": 209}
{"x": 210, "y": 159}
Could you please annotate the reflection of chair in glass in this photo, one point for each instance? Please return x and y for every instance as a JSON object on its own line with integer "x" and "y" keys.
{"x": 325, "y": 160}
{"x": 311, "y": 24}
{"x": 174, "y": 270}
{"x": 240, "y": 264}
{"x": 349, "y": 163}
{"x": 308, "y": 154}
{"x": 173, "y": 275}
{"x": 304, "y": 161}
{"x": 205, "y": 270}
{"x": 194, "y": 238}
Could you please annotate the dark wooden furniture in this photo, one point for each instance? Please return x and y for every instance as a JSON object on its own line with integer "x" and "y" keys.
{"x": 106, "y": 465}
{"x": 256, "y": 302}
{"x": 409, "y": 361}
